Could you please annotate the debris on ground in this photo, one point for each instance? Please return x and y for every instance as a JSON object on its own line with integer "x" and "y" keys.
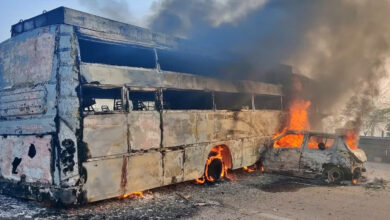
{"x": 249, "y": 196}
{"x": 376, "y": 184}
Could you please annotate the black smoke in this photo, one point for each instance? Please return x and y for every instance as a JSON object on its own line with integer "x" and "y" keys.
{"x": 342, "y": 45}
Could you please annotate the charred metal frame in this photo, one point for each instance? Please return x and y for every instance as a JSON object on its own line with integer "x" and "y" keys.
{"x": 313, "y": 163}
{"x": 85, "y": 158}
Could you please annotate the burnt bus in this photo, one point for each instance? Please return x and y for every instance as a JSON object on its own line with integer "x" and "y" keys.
{"x": 92, "y": 109}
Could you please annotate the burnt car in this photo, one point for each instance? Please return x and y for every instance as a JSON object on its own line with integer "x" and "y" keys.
{"x": 314, "y": 155}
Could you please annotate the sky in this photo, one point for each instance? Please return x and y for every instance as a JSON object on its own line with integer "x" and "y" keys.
{"x": 12, "y": 11}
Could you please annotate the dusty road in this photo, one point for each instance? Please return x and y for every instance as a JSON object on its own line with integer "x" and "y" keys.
{"x": 249, "y": 196}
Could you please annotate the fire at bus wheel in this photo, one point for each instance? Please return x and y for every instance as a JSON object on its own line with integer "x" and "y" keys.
{"x": 217, "y": 164}
{"x": 335, "y": 175}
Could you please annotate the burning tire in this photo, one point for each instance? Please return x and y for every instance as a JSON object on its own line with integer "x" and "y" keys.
{"x": 335, "y": 175}
{"x": 215, "y": 171}
{"x": 217, "y": 164}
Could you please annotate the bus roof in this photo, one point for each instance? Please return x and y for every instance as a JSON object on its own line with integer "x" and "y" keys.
{"x": 85, "y": 22}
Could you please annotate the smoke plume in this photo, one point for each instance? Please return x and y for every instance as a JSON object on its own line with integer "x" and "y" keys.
{"x": 341, "y": 44}
{"x": 113, "y": 9}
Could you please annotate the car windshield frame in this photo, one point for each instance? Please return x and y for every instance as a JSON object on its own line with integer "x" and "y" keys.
{"x": 307, "y": 135}
{"x": 325, "y": 137}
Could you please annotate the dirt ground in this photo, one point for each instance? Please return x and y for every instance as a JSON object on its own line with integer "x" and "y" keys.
{"x": 247, "y": 196}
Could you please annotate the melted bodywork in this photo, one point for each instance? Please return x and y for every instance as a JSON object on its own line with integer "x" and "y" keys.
{"x": 52, "y": 149}
{"x": 312, "y": 161}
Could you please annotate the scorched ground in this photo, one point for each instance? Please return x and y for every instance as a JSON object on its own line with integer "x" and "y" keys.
{"x": 249, "y": 196}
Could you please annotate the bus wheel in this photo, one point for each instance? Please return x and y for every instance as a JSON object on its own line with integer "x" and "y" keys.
{"x": 217, "y": 164}
{"x": 335, "y": 175}
{"x": 214, "y": 170}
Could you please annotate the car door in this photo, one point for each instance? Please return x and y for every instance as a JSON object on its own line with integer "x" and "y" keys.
{"x": 314, "y": 156}
{"x": 285, "y": 154}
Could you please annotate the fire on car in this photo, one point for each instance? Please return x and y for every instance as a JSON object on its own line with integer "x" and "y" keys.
{"x": 314, "y": 155}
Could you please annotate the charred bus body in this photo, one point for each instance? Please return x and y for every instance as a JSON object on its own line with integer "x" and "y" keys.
{"x": 92, "y": 109}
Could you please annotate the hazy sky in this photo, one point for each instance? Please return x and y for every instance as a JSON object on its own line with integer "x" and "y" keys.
{"x": 11, "y": 11}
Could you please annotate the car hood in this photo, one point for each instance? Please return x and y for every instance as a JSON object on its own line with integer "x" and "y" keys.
{"x": 359, "y": 155}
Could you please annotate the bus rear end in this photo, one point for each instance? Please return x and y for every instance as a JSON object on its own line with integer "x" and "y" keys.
{"x": 28, "y": 112}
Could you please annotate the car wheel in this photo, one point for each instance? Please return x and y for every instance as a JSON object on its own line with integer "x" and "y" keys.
{"x": 356, "y": 176}
{"x": 335, "y": 175}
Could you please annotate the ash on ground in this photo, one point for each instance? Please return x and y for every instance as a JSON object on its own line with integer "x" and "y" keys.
{"x": 246, "y": 196}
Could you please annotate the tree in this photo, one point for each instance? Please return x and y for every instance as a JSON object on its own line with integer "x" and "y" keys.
{"x": 375, "y": 118}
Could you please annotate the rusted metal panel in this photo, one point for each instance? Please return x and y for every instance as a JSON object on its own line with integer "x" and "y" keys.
{"x": 36, "y": 113}
{"x": 106, "y": 134}
{"x": 26, "y": 156}
{"x": 27, "y": 58}
{"x": 22, "y": 94}
{"x": 205, "y": 126}
{"x": 31, "y": 126}
{"x": 160, "y": 40}
{"x": 144, "y": 130}
{"x": 115, "y": 28}
{"x": 283, "y": 159}
{"x": 189, "y": 127}
{"x": 250, "y": 152}
{"x": 184, "y": 81}
{"x": 104, "y": 178}
{"x": 68, "y": 73}
{"x": 68, "y": 173}
{"x": 23, "y": 107}
{"x": 312, "y": 161}
{"x": 265, "y": 122}
{"x": 116, "y": 75}
{"x": 251, "y": 148}
{"x": 179, "y": 128}
{"x": 194, "y": 161}
{"x": 138, "y": 77}
{"x": 144, "y": 171}
{"x": 103, "y": 27}
{"x": 173, "y": 167}
{"x": 231, "y": 125}
{"x": 113, "y": 177}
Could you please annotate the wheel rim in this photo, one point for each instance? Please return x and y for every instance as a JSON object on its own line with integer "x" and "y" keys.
{"x": 335, "y": 175}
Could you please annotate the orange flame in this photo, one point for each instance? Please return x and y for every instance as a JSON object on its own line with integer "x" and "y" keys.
{"x": 215, "y": 154}
{"x": 249, "y": 170}
{"x": 354, "y": 181}
{"x": 352, "y": 138}
{"x": 298, "y": 120}
{"x": 200, "y": 180}
{"x": 132, "y": 195}
{"x": 314, "y": 142}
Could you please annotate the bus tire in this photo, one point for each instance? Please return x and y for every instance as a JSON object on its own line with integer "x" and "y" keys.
{"x": 214, "y": 171}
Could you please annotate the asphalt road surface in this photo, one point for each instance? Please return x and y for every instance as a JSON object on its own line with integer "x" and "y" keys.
{"x": 246, "y": 196}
